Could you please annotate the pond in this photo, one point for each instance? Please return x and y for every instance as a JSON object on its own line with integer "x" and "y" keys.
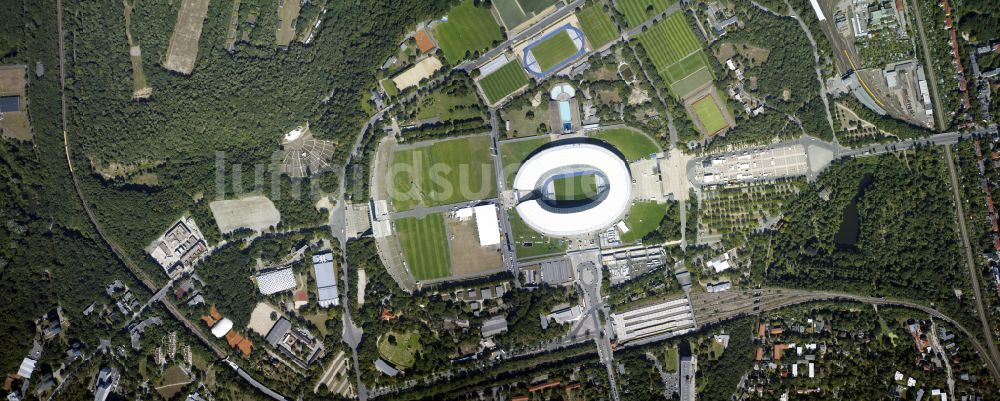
{"x": 850, "y": 224}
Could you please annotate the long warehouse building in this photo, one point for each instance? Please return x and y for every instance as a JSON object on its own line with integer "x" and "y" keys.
{"x": 674, "y": 315}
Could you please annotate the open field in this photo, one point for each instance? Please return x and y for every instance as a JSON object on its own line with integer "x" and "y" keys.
{"x": 709, "y": 114}
{"x": 685, "y": 86}
{"x": 676, "y": 53}
{"x": 449, "y": 106}
{"x": 552, "y": 51}
{"x": 575, "y": 188}
{"x": 643, "y": 218}
{"x": 638, "y": 11}
{"x": 516, "y": 12}
{"x": 469, "y": 29}
{"x": 183, "y": 49}
{"x": 400, "y": 348}
{"x": 140, "y": 87}
{"x": 419, "y": 71}
{"x": 528, "y": 243}
{"x": 597, "y": 25}
{"x": 255, "y": 212}
{"x": 425, "y": 246}
{"x": 503, "y": 81}
{"x": 526, "y": 120}
{"x": 12, "y": 82}
{"x": 288, "y": 12}
{"x": 445, "y": 172}
{"x": 512, "y": 153}
{"x": 633, "y": 144}
{"x": 467, "y": 257}
{"x": 172, "y": 381}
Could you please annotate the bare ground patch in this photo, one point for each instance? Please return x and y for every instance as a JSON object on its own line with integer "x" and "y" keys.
{"x": 12, "y": 83}
{"x": 467, "y": 257}
{"x": 183, "y": 49}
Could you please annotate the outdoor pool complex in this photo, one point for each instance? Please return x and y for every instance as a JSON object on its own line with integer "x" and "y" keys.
{"x": 573, "y": 189}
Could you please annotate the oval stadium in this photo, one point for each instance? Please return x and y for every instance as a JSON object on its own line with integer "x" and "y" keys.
{"x": 573, "y": 189}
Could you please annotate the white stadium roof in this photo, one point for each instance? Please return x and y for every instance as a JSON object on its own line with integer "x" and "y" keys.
{"x": 276, "y": 281}
{"x": 603, "y": 213}
{"x": 222, "y": 327}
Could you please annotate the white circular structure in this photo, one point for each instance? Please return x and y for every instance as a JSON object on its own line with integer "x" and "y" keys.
{"x": 541, "y": 211}
{"x": 222, "y": 327}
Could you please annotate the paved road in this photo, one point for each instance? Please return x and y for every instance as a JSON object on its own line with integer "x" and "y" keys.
{"x": 969, "y": 259}
{"x": 649, "y": 23}
{"x": 929, "y": 66}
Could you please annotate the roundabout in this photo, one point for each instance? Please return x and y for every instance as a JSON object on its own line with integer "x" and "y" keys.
{"x": 573, "y": 189}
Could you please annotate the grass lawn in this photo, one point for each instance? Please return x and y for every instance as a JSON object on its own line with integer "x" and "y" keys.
{"x": 445, "y": 172}
{"x": 638, "y": 11}
{"x": 390, "y": 87}
{"x": 526, "y": 120}
{"x": 503, "y": 81}
{"x": 172, "y": 381}
{"x": 425, "y": 246}
{"x": 528, "y": 243}
{"x": 709, "y": 115}
{"x": 670, "y": 360}
{"x": 642, "y": 219}
{"x": 574, "y": 188}
{"x": 597, "y": 25}
{"x": 469, "y": 29}
{"x": 715, "y": 348}
{"x": 402, "y": 351}
{"x": 512, "y": 153}
{"x": 554, "y": 50}
{"x": 633, "y": 144}
{"x": 449, "y": 107}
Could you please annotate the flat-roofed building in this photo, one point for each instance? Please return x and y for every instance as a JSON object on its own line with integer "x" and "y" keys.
{"x": 10, "y": 104}
{"x": 326, "y": 280}
{"x": 494, "y": 326}
{"x": 487, "y": 225}
{"x": 670, "y": 316}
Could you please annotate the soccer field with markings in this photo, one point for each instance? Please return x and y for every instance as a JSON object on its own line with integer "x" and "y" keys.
{"x": 445, "y": 172}
{"x": 677, "y": 55}
{"x": 470, "y": 28}
{"x": 638, "y": 11}
{"x": 709, "y": 115}
{"x": 504, "y": 81}
{"x": 597, "y": 26}
{"x": 554, "y": 50}
{"x": 425, "y": 246}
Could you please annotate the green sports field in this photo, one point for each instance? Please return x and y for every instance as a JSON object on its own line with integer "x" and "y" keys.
{"x": 575, "y": 188}
{"x": 597, "y": 25}
{"x": 676, "y": 53}
{"x": 445, "y": 172}
{"x": 633, "y": 144}
{"x": 425, "y": 246}
{"x": 552, "y": 51}
{"x": 642, "y": 219}
{"x": 515, "y": 12}
{"x": 503, "y": 81}
{"x": 709, "y": 115}
{"x": 469, "y": 29}
{"x": 402, "y": 350}
{"x": 512, "y": 153}
{"x": 638, "y": 11}
{"x": 529, "y": 243}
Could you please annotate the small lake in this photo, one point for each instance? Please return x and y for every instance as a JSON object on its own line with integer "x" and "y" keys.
{"x": 850, "y": 224}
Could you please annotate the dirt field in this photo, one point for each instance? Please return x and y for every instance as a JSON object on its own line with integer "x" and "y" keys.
{"x": 140, "y": 88}
{"x": 413, "y": 75}
{"x": 467, "y": 257}
{"x": 255, "y": 212}
{"x": 755, "y": 55}
{"x": 183, "y": 48}
{"x": 12, "y": 82}
{"x": 260, "y": 318}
